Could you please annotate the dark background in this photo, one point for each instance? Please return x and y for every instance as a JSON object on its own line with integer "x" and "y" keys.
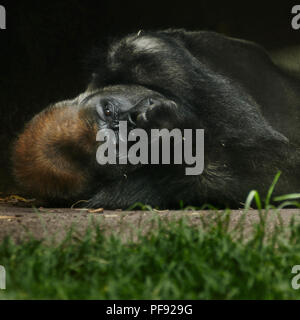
{"x": 44, "y": 48}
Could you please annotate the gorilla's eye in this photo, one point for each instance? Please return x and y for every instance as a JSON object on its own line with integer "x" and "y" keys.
{"x": 107, "y": 109}
{"x": 107, "y": 112}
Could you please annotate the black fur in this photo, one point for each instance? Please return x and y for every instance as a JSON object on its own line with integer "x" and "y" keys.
{"x": 248, "y": 107}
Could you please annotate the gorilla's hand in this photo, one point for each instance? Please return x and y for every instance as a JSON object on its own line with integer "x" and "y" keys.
{"x": 156, "y": 113}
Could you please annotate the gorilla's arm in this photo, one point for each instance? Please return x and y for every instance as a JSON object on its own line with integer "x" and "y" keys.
{"x": 164, "y": 62}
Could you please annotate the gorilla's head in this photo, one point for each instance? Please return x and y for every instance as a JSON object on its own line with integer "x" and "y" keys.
{"x": 55, "y": 156}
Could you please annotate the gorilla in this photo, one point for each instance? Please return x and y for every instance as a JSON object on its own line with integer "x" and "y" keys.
{"x": 248, "y": 106}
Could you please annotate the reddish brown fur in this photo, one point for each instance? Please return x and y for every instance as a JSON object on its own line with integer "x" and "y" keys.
{"x": 40, "y": 164}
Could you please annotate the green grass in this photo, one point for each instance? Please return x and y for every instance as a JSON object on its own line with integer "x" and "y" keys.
{"x": 175, "y": 261}
{"x": 172, "y": 261}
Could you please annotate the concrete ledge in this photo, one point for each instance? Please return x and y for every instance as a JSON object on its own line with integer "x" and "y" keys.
{"x": 21, "y": 223}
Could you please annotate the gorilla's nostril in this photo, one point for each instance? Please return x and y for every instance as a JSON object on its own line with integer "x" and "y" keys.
{"x": 115, "y": 125}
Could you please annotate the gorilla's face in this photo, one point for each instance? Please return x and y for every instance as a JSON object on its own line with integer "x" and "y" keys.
{"x": 108, "y": 107}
